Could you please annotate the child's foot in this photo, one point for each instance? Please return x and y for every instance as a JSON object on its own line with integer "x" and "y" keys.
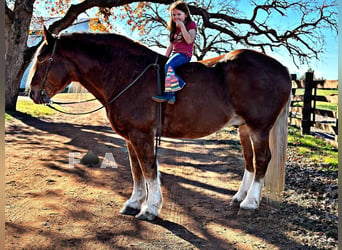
{"x": 169, "y": 97}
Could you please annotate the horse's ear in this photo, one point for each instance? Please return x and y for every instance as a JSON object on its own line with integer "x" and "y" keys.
{"x": 48, "y": 38}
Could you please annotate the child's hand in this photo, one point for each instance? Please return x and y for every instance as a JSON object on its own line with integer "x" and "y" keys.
{"x": 179, "y": 23}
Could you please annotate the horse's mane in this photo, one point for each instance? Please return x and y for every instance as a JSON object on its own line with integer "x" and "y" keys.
{"x": 32, "y": 68}
{"x": 108, "y": 40}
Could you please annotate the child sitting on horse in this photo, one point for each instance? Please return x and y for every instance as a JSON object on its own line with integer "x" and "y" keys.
{"x": 182, "y": 35}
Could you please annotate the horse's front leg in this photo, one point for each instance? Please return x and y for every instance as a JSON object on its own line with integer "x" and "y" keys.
{"x": 133, "y": 205}
{"x": 262, "y": 156}
{"x": 144, "y": 148}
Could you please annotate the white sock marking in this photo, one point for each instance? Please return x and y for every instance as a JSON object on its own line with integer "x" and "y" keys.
{"x": 244, "y": 186}
{"x": 253, "y": 198}
{"x": 138, "y": 195}
{"x": 154, "y": 199}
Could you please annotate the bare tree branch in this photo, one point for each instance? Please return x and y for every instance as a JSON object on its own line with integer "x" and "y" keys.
{"x": 303, "y": 42}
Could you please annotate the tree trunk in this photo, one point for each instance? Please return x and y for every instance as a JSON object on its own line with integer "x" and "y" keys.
{"x": 17, "y": 23}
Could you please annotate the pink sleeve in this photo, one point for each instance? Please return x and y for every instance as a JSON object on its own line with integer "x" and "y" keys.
{"x": 191, "y": 26}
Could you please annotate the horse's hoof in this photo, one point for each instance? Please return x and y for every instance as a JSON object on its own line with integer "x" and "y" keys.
{"x": 235, "y": 204}
{"x": 146, "y": 216}
{"x": 129, "y": 211}
{"x": 246, "y": 212}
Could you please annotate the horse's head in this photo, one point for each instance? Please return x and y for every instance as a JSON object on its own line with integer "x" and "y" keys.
{"x": 49, "y": 72}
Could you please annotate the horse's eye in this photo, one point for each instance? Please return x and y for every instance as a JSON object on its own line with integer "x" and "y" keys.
{"x": 41, "y": 60}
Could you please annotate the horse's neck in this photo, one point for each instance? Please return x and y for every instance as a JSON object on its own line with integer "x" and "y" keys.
{"x": 118, "y": 68}
{"x": 89, "y": 72}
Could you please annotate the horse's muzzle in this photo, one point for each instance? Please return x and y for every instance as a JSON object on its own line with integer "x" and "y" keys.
{"x": 39, "y": 96}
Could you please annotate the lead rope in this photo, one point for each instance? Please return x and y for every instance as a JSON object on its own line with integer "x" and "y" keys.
{"x": 111, "y": 101}
{"x": 64, "y": 103}
{"x": 159, "y": 113}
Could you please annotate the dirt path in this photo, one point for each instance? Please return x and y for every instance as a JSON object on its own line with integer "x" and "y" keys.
{"x": 51, "y": 205}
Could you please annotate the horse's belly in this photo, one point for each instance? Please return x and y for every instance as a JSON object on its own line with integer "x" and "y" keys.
{"x": 202, "y": 107}
{"x": 195, "y": 125}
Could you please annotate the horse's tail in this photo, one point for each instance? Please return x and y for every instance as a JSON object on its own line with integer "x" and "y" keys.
{"x": 275, "y": 175}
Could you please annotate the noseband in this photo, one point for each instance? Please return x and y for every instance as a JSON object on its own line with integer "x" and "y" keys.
{"x": 42, "y": 90}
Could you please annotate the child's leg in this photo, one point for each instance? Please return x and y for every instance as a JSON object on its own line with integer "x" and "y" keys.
{"x": 172, "y": 81}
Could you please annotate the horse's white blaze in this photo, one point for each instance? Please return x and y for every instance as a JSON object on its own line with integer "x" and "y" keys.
{"x": 138, "y": 195}
{"x": 154, "y": 197}
{"x": 33, "y": 69}
{"x": 252, "y": 199}
{"x": 244, "y": 186}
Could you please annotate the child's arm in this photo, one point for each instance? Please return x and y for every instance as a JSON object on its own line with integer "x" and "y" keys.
{"x": 188, "y": 35}
{"x": 169, "y": 50}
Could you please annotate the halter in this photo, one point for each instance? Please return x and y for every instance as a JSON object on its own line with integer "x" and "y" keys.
{"x": 42, "y": 91}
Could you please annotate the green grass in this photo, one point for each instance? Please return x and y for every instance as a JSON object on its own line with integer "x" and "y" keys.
{"x": 326, "y": 106}
{"x": 30, "y": 108}
{"x": 319, "y": 105}
{"x": 35, "y": 110}
{"x": 38, "y": 110}
{"x": 315, "y": 149}
{"x": 323, "y": 92}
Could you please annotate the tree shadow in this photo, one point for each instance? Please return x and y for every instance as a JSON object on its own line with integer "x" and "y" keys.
{"x": 201, "y": 207}
{"x": 80, "y": 135}
{"x": 185, "y": 234}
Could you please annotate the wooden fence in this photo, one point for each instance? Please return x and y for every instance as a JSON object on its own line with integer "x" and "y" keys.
{"x": 304, "y": 112}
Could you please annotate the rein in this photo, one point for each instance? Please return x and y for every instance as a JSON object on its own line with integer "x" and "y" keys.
{"x": 155, "y": 65}
{"x": 61, "y": 103}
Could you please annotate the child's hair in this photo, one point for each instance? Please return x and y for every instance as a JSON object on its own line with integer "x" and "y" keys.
{"x": 171, "y": 26}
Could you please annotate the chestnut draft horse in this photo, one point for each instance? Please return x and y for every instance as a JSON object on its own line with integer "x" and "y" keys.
{"x": 243, "y": 88}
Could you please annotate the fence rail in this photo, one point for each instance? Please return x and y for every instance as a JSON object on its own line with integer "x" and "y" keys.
{"x": 304, "y": 112}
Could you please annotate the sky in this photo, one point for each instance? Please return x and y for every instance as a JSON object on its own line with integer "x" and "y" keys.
{"x": 326, "y": 67}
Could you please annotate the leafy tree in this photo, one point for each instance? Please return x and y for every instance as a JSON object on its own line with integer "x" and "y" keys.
{"x": 261, "y": 29}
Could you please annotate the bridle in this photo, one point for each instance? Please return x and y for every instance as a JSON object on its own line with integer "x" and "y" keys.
{"x": 42, "y": 90}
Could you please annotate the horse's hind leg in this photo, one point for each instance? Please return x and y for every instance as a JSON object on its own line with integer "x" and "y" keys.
{"x": 249, "y": 169}
{"x": 133, "y": 205}
{"x": 262, "y": 156}
{"x": 144, "y": 148}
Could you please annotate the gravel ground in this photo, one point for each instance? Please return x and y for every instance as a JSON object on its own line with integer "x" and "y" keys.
{"x": 66, "y": 208}
{"x": 312, "y": 193}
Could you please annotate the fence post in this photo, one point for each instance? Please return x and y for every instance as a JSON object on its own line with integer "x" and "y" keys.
{"x": 306, "y": 111}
